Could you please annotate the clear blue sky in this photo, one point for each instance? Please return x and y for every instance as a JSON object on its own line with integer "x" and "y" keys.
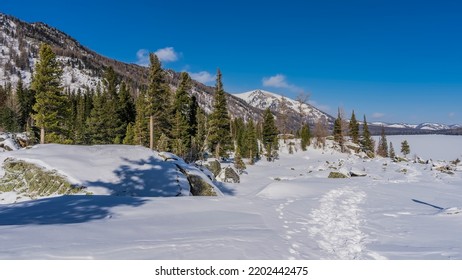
{"x": 395, "y": 61}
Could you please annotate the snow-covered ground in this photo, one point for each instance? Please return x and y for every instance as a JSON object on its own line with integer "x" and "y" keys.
{"x": 287, "y": 209}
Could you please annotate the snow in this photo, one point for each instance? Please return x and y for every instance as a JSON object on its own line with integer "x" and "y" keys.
{"x": 442, "y": 147}
{"x": 287, "y": 209}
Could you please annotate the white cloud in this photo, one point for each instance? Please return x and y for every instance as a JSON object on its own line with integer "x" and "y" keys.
{"x": 378, "y": 115}
{"x": 142, "y": 57}
{"x": 202, "y": 77}
{"x": 280, "y": 81}
{"x": 167, "y": 54}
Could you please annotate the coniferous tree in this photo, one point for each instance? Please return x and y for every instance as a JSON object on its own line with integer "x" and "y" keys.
{"x": 200, "y": 144}
{"x": 96, "y": 122}
{"x": 338, "y": 131}
{"x": 305, "y": 136}
{"x": 181, "y": 129}
{"x": 354, "y": 128}
{"x": 50, "y": 105}
{"x": 238, "y": 162}
{"x": 157, "y": 96}
{"x": 219, "y": 123}
{"x": 26, "y": 100}
{"x": 367, "y": 142}
{"x": 392, "y": 151}
{"x": 125, "y": 109}
{"x": 405, "y": 148}
{"x": 382, "y": 149}
{"x": 251, "y": 142}
{"x": 141, "y": 126}
{"x": 270, "y": 135}
{"x": 129, "y": 135}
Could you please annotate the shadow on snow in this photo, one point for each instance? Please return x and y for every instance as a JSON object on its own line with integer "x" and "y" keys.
{"x": 69, "y": 209}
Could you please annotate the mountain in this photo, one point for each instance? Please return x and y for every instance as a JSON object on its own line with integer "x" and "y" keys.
{"x": 262, "y": 100}
{"x": 83, "y": 68}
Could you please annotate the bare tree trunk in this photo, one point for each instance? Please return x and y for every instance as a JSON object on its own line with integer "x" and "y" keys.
{"x": 42, "y": 135}
{"x": 151, "y": 132}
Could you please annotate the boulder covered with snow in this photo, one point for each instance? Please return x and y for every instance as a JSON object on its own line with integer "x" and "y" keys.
{"x": 228, "y": 175}
{"x": 356, "y": 172}
{"x": 214, "y": 166}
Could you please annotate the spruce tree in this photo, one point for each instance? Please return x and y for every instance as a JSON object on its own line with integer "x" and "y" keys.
{"x": 382, "y": 149}
{"x": 305, "y": 136}
{"x": 200, "y": 144}
{"x": 157, "y": 101}
{"x": 338, "y": 131}
{"x": 51, "y": 104}
{"x": 238, "y": 162}
{"x": 125, "y": 109}
{"x": 367, "y": 142}
{"x": 129, "y": 135}
{"x": 354, "y": 128}
{"x": 26, "y": 100}
{"x": 392, "y": 151}
{"x": 219, "y": 122}
{"x": 251, "y": 141}
{"x": 269, "y": 135}
{"x": 96, "y": 122}
{"x": 181, "y": 129}
{"x": 405, "y": 148}
{"x": 141, "y": 126}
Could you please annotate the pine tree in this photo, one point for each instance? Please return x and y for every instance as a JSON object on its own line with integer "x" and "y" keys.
{"x": 338, "y": 131}
{"x": 270, "y": 135}
{"x": 219, "y": 122}
{"x": 129, "y": 135}
{"x": 163, "y": 143}
{"x": 157, "y": 100}
{"x": 405, "y": 148}
{"x": 51, "y": 105}
{"x": 96, "y": 122}
{"x": 141, "y": 127}
{"x": 367, "y": 142}
{"x": 125, "y": 109}
{"x": 251, "y": 142}
{"x": 26, "y": 100}
{"x": 305, "y": 136}
{"x": 199, "y": 144}
{"x": 181, "y": 129}
{"x": 238, "y": 162}
{"x": 354, "y": 128}
{"x": 382, "y": 149}
{"x": 392, "y": 151}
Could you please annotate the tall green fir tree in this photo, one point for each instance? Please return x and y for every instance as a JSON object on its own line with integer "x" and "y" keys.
{"x": 354, "y": 128}
{"x": 157, "y": 97}
{"x": 126, "y": 110}
{"x": 141, "y": 126}
{"x": 270, "y": 135}
{"x": 338, "y": 131}
{"x": 219, "y": 136}
{"x": 51, "y": 108}
{"x": 392, "y": 151}
{"x": 305, "y": 135}
{"x": 181, "y": 126}
{"x": 382, "y": 149}
{"x": 251, "y": 142}
{"x": 26, "y": 100}
{"x": 367, "y": 143}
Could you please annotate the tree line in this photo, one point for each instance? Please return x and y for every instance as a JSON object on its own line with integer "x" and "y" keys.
{"x": 154, "y": 116}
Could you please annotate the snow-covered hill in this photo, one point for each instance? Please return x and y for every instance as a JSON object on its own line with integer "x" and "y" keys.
{"x": 262, "y": 99}
{"x": 422, "y": 126}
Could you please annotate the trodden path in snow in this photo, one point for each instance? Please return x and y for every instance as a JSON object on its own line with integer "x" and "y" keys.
{"x": 336, "y": 225}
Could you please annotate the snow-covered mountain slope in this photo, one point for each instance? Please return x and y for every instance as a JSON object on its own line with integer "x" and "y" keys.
{"x": 262, "y": 99}
{"x": 286, "y": 209}
{"x": 422, "y": 126}
{"x": 82, "y": 67}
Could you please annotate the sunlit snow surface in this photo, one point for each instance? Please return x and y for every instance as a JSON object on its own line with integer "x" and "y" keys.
{"x": 287, "y": 209}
